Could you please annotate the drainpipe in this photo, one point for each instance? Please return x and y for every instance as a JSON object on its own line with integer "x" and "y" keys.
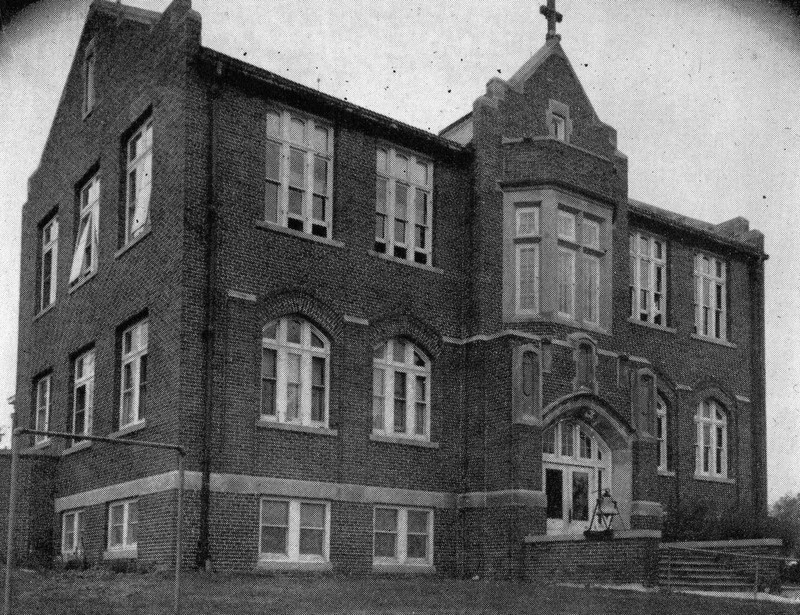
{"x": 203, "y": 548}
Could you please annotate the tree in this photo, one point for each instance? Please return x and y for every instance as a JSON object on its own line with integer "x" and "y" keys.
{"x": 784, "y": 519}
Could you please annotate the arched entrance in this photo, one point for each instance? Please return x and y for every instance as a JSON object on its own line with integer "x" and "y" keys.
{"x": 576, "y": 466}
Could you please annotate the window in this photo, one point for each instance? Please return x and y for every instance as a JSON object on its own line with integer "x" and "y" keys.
{"x": 123, "y": 520}
{"x": 83, "y": 394}
{"x": 72, "y": 532}
{"x": 661, "y": 433}
{"x": 139, "y": 181}
{"x": 134, "y": 374}
{"x": 48, "y": 242}
{"x": 585, "y": 363}
{"x": 648, "y": 272}
{"x": 403, "y": 536}
{"x": 84, "y": 259}
{"x": 401, "y": 390}
{"x": 403, "y": 206}
{"x": 299, "y": 173}
{"x": 579, "y": 253}
{"x": 559, "y": 127}
{"x": 526, "y": 241}
{"x": 89, "y": 59}
{"x": 710, "y": 297}
{"x": 294, "y": 530}
{"x": 712, "y": 440}
{"x": 294, "y": 373}
{"x": 42, "y": 413}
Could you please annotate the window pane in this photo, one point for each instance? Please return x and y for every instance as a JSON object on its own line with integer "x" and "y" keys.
{"x": 567, "y": 449}
{"x": 318, "y": 207}
{"x": 321, "y": 139}
{"x": 418, "y": 521}
{"x": 527, "y": 222}
{"x": 270, "y": 330}
{"x": 398, "y": 351}
{"x": 273, "y": 540}
{"x": 421, "y": 173}
{"x": 381, "y": 160}
{"x": 421, "y": 207}
{"x": 292, "y": 386}
{"x": 312, "y": 542}
{"x": 549, "y": 441}
{"x": 273, "y": 161}
{"x": 297, "y": 168}
{"x": 275, "y": 513}
{"x": 297, "y": 130}
{"x": 320, "y": 175}
{"x": 385, "y": 545}
{"x": 296, "y": 203}
{"x": 400, "y": 402}
{"x": 400, "y": 166}
{"x": 316, "y": 341}
{"x": 293, "y": 331}
{"x": 378, "y": 400}
{"x": 417, "y": 547}
{"x": 274, "y": 125}
{"x": 380, "y": 195}
{"x": 312, "y": 515}
{"x": 385, "y": 520}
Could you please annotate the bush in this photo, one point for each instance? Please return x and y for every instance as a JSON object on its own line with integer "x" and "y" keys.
{"x": 702, "y": 520}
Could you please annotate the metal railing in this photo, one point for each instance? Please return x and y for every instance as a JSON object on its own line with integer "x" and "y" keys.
{"x": 12, "y": 500}
{"x": 759, "y": 561}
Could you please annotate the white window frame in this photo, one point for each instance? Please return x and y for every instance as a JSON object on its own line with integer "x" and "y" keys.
{"x": 48, "y": 240}
{"x": 72, "y": 520}
{"x": 579, "y": 281}
{"x": 644, "y": 250}
{"x": 281, "y": 134}
{"x": 713, "y": 444}
{"x": 88, "y": 237}
{"x": 293, "y": 533}
{"x": 559, "y": 127}
{"x": 384, "y": 362}
{"x": 566, "y": 284}
{"x": 307, "y": 352}
{"x": 127, "y": 544}
{"x": 527, "y": 238}
{"x": 134, "y": 353}
{"x": 84, "y": 378}
{"x": 139, "y": 175}
{"x": 387, "y": 170}
{"x": 42, "y": 407}
{"x": 717, "y": 325}
{"x": 662, "y": 433}
{"x": 401, "y": 542}
{"x": 89, "y": 78}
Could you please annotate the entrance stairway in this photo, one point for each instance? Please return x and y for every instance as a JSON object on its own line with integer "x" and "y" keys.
{"x": 691, "y": 569}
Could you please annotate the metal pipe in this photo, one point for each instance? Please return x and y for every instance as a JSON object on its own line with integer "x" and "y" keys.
{"x": 12, "y": 508}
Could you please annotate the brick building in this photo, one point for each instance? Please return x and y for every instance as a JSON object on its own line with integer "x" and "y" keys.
{"x": 385, "y": 349}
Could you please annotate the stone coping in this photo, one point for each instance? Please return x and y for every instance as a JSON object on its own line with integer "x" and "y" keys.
{"x": 618, "y": 535}
{"x": 728, "y": 544}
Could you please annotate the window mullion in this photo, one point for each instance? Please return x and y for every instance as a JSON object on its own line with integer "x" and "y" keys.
{"x": 388, "y": 421}
{"x": 305, "y": 387}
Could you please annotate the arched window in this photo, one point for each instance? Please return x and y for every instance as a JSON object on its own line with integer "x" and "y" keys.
{"x": 661, "y": 433}
{"x": 712, "y": 439}
{"x": 585, "y": 377}
{"x": 294, "y": 373}
{"x": 401, "y": 390}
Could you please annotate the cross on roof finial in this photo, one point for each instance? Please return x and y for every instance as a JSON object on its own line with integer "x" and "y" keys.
{"x": 553, "y": 17}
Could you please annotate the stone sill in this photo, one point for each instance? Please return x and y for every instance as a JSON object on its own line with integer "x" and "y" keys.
{"x": 271, "y": 226}
{"x": 133, "y": 242}
{"x": 402, "y": 440}
{"x": 396, "y": 568}
{"x": 128, "y": 429}
{"x": 670, "y": 473}
{"x": 273, "y": 564}
{"x": 46, "y": 310}
{"x": 82, "y": 445}
{"x": 113, "y": 554}
{"x": 618, "y": 535}
{"x": 320, "y": 431}
{"x": 714, "y": 479}
{"x": 76, "y": 285}
{"x": 713, "y": 340}
{"x": 39, "y": 446}
{"x": 403, "y": 261}
{"x": 710, "y": 544}
{"x": 652, "y": 325}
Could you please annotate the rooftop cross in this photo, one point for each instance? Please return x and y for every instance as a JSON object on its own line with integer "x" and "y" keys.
{"x": 553, "y": 17}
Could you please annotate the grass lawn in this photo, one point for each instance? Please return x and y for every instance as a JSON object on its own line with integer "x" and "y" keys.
{"x": 104, "y": 593}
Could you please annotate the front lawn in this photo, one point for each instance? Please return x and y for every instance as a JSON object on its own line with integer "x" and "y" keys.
{"x": 103, "y": 593}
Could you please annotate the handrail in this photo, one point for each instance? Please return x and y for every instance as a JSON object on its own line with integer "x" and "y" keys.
{"x": 666, "y": 545}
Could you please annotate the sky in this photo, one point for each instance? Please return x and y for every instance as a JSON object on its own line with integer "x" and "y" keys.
{"x": 703, "y": 95}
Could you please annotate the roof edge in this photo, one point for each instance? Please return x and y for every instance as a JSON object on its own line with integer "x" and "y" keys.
{"x": 132, "y": 13}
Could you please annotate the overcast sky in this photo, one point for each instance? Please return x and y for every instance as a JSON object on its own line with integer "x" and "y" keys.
{"x": 704, "y": 96}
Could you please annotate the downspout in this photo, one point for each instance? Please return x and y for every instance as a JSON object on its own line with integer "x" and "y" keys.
{"x": 203, "y": 547}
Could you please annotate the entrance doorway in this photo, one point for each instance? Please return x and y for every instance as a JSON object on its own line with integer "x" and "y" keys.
{"x": 577, "y": 465}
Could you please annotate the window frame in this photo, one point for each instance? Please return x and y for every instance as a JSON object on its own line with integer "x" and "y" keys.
{"x": 142, "y": 160}
{"x": 310, "y": 151}
{"x": 390, "y": 368}
{"x": 126, "y": 544}
{"x": 77, "y": 528}
{"x": 527, "y": 241}
{"x": 388, "y": 244}
{"x": 137, "y": 356}
{"x": 401, "y": 541}
{"x": 86, "y": 379}
{"x": 717, "y": 325}
{"x": 662, "y": 433}
{"x": 307, "y": 353}
{"x": 45, "y": 380}
{"x": 88, "y": 235}
{"x": 293, "y": 530}
{"x": 637, "y": 292}
{"x": 48, "y": 243}
{"x": 714, "y": 446}
{"x": 89, "y": 75}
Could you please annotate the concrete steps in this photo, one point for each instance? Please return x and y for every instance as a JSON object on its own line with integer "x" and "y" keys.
{"x": 678, "y": 569}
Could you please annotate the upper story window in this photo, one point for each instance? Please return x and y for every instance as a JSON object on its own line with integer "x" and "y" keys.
{"x": 48, "y": 264}
{"x": 711, "y": 440}
{"x": 710, "y": 297}
{"x": 89, "y": 58}
{"x": 72, "y": 532}
{"x": 83, "y": 394}
{"x": 559, "y": 127}
{"x": 123, "y": 524}
{"x": 294, "y": 373}
{"x": 403, "y": 536}
{"x": 42, "y": 410}
{"x": 526, "y": 246}
{"x": 403, "y": 206}
{"x": 294, "y": 530}
{"x": 648, "y": 274}
{"x": 559, "y": 124}
{"x": 661, "y": 432}
{"x": 578, "y": 275}
{"x": 585, "y": 366}
{"x": 133, "y": 393}
{"x": 84, "y": 259}
{"x": 299, "y": 173}
{"x": 139, "y": 180}
{"x": 401, "y": 400}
